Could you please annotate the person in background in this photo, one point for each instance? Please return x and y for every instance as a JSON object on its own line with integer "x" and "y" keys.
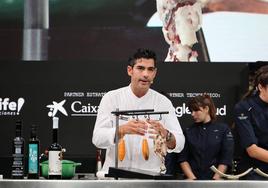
{"x": 138, "y": 95}
{"x": 207, "y": 142}
{"x": 251, "y": 125}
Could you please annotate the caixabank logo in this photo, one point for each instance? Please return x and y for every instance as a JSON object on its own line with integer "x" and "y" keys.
{"x": 11, "y": 107}
{"x": 80, "y": 108}
{"x": 76, "y": 108}
{"x": 55, "y": 107}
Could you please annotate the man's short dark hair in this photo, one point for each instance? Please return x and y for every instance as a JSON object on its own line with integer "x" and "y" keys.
{"x": 142, "y": 53}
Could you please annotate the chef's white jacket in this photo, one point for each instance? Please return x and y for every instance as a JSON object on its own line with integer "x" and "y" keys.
{"x": 104, "y": 130}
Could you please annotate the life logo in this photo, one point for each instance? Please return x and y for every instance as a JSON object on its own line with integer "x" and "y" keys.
{"x": 10, "y": 108}
{"x": 55, "y": 107}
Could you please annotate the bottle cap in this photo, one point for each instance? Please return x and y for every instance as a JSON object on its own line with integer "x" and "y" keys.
{"x": 18, "y": 125}
{"x": 18, "y": 128}
{"x": 33, "y": 130}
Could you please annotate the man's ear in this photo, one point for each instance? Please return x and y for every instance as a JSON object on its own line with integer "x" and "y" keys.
{"x": 129, "y": 70}
{"x": 155, "y": 72}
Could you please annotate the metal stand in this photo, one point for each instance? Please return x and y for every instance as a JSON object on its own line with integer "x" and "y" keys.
{"x": 116, "y": 139}
{"x": 133, "y": 113}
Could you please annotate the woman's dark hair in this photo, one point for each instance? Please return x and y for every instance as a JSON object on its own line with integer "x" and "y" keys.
{"x": 202, "y": 101}
{"x": 142, "y": 53}
{"x": 261, "y": 77}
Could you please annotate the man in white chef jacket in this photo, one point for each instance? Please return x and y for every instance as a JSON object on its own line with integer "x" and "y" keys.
{"x": 136, "y": 96}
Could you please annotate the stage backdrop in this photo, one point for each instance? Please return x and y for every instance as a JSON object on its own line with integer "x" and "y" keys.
{"x": 27, "y": 88}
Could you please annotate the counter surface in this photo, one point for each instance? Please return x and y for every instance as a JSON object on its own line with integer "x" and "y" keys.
{"x": 8, "y": 183}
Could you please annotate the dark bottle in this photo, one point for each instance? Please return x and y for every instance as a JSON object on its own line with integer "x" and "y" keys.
{"x": 17, "y": 171}
{"x": 33, "y": 155}
{"x": 55, "y": 154}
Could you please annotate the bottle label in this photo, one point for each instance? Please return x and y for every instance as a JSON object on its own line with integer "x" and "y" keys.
{"x": 18, "y": 159}
{"x": 33, "y": 158}
{"x": 54, "y": 163}
{"x": 18, "y": 146}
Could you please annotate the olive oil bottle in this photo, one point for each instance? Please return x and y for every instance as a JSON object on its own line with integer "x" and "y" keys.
{"x": 55, "y": 154}
{"x": 33, "y": 154}
{"x": 17, "y": 171}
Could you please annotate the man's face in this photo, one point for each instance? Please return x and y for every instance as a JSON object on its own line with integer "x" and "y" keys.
{"x": 142, "y": 74}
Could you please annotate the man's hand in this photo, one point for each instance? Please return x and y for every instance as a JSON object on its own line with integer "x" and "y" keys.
{"x": 155, "y": 127}
{"x": 133, "y": 126}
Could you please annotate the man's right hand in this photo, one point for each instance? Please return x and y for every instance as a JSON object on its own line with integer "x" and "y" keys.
{"x": 133, "y": 126}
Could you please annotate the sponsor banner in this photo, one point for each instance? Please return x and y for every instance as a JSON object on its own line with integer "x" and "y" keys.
{"x": 80, "y": 107}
